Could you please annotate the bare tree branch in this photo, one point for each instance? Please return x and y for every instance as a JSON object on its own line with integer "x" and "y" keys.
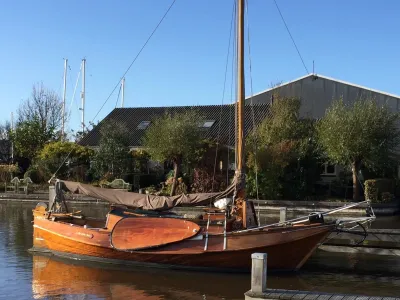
{"x": 44, "y": 105}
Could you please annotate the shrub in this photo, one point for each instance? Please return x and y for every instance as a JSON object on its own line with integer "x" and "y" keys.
{"x": 52, "y": 158}
{"x": 6, "y": 171}
{"x": 151, "y": 190}
{"x": 38, "y": 173}
{"x": 269, "y": 185}
{"x": 204, "y": 181}
{"x": 379, "y": 190}
{"x": 285, "y": 158}
{"x": 387, "y": 197}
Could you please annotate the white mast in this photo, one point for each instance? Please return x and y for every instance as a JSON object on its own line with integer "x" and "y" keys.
{"x": 12, "y": 144}
{"x": 83, "y": 94}
{"x": 122, "y": 91}
{"x": 63, "y": 103}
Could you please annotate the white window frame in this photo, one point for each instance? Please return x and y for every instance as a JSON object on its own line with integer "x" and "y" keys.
{"x": 325, "y": 170}
{"x": 143, "y": 125}
{"x": 207, "y": 124}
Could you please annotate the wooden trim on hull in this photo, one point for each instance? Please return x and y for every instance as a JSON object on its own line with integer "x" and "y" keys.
{"x": 287, "y": 249}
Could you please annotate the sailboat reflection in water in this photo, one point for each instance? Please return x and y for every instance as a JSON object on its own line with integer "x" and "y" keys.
{"x": 53, "y": 277}
{"x": 140, "y": 229}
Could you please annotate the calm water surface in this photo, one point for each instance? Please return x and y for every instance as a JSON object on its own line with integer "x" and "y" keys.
{"x": 27, "y": 276}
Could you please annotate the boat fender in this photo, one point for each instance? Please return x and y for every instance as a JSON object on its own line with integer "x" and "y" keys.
{"x": 316, "y": 218}
{"x": 41, "y": 205}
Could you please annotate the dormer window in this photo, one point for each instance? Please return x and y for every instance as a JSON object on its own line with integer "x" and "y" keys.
{"x": 143, "y": 125}
{"x": 207, "y": 124}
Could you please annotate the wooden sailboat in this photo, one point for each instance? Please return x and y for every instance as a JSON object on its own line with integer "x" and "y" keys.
{"x": 220, "y": 241}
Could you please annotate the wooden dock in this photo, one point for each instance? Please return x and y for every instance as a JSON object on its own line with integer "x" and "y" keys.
{"x": 259, "y": 290}
{"x": 272, "y": 294}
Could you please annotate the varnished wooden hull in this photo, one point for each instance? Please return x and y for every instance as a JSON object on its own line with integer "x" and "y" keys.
{"x": 287, "y": 249}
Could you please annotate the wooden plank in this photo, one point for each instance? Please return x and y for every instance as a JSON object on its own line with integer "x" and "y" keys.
{"x": 337, "y": 297}
{"x": 300, "y": 296}
{"x": 143, "y": 233}
{"x": 311, "y": 296}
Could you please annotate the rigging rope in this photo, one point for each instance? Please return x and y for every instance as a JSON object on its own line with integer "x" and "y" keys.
{"x": 252, "y": 111}
{"x": 76, "y": 85}
{"x": 136, "y": 57}
{"x": 223, "y": 95}
{"x": 119, "y": 92}
{"x": 233, "y": 102}
{"x": 127, "y": 70}
{"x": 294, "y": 43}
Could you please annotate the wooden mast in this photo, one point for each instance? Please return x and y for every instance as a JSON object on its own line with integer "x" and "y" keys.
{"x": 240, "y": 201}
{"x": 244, "y": 209}
{"x": 240, "y": 88}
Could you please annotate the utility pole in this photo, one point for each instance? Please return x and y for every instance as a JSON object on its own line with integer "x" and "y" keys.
{"x": 83, "y": 94}
{"x": 122, "y": 91}
{"x": 64, "y": 96}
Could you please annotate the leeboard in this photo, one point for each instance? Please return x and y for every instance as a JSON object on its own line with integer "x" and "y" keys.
{"x": 131, "y": 234}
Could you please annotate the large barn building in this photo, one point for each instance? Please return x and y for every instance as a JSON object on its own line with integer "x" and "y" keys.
{"x": 317, "y": 92}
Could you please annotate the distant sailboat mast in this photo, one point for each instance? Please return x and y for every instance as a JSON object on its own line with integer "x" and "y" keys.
{"x": 12, "y": 143}
{"x": 122, "y": 92}
{"x": 83, "y": 94}
{"x": 63, "y": 101}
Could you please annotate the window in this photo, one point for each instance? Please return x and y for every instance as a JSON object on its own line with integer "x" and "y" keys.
{"x": 328, "y": 170}
{"x": 143, "y": 125}
{"x": 207, "y": 124}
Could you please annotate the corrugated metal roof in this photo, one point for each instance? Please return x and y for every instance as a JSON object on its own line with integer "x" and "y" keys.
{"x": 223, "y": 127}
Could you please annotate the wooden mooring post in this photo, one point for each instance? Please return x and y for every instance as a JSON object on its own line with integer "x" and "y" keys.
{"x": 282, "y": 214}
{"x": 259, "y": 290}
{"x": 258, "y": 272}
{"x": 52, "y": 195}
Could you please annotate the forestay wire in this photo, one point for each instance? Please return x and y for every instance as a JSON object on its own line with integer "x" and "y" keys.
{"x": 233, "y": 102}
{"x": 223, "y": 96}
{"x": 123, "y": 75}
{"x": 76, "y": 85}
{"x": 136, "y": 57}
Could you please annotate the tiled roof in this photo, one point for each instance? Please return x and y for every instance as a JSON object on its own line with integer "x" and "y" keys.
{"x": 224, "y": 116}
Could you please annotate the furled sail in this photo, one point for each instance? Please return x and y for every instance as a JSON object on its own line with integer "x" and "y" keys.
{"x": 145, "y": 201}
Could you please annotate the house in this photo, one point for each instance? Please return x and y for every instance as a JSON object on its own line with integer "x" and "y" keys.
{"x": 316, "y": 93}
{"x": 218, "y": 124}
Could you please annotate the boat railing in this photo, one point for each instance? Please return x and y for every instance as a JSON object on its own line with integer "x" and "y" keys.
{"x": 343, "y": 222}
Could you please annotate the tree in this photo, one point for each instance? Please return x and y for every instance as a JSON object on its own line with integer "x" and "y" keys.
{"x": 112, "y": 160}
{"x": 29, "y": 138}
{"x": 69, "y": 159}
{"x": 174, "y": 138}
{"x": 5, "y": 143}
{"x": 38, "y": 122}
{"x": 5, "y": 131}
{"x": 359, "y": 133}
{"x": 282, "y": 153}
{"x": 45, "y": 106}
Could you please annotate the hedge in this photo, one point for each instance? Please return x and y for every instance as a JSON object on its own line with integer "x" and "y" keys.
{"x": 380, "y": 190}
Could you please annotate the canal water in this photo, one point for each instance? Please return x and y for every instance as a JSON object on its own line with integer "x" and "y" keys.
{"x": 27, "y": 276}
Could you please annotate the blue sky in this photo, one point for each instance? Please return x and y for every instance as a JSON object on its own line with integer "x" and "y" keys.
{"x": 184, "y": 63}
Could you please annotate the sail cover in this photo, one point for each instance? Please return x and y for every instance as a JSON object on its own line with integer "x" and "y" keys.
{"x": 145, "y": 201}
